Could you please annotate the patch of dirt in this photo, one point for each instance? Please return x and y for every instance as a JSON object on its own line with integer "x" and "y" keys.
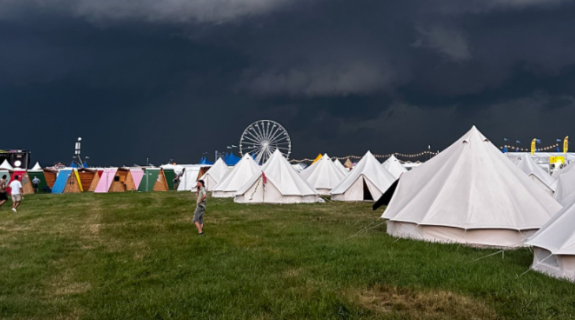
{"x": 73, "y": 288}
{"x": 412, "y": 304}
{"x": 95, "y": 229}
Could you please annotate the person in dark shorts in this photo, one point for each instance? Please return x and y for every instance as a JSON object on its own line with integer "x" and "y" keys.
{"x": 200, "y": 207}
{"x": 35, "y": 183}
{"x": 3, "y": 193}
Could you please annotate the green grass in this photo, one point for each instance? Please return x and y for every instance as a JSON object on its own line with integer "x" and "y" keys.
{"x": 137, "y": 256}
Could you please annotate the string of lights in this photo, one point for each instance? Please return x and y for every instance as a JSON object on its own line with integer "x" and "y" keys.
{"x": 513, "y": 148}
{"x": 397, "y": 154}
{"x": 425, "y": 153}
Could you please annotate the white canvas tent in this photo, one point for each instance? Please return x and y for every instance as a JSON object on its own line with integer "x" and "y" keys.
{"x": 367, "y": 181}
{"x": 323, "y": 175}
{"x": 469, "y": 194}
{"x": 277, "y": 182}
{"x": 6, "y": 166}
{"x": 535, "y": 173}
{"x": 189, "y": 178}
{"x": 36, "y": 167}
{"x": 555, "y": 175}
{"x": 216, "y": 173}
{"x": 340, "y": 166}
{"x": 245, "y": 169}
{"x": 564, "y": 186}
{"x": 394, "y": 167}
{"x": 299, "y": 167}
{"x": 554, "y": 245}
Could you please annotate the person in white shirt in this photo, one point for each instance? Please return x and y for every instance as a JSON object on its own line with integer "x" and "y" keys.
{"x": 17, "y": 192}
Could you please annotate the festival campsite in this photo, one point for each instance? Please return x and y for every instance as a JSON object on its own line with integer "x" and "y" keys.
{"x": 464, "y": 219}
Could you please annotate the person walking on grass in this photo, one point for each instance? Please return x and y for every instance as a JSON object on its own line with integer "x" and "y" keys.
{"x": 17, "y": 192}
{"x": 200, "y": 207}
{"x": 35, "y": 183}
{"x": 3, "y": 193}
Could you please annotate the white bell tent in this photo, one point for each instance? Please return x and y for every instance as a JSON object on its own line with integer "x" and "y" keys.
{"x": 241, "y": 173}
{"x": 536, "y": 173}
{"x": 469, "y": 194}
{"x": 564, "y": 186}
{"x": 323, "y": 175}
{"x": 340, "y": 166}
{"x": 190, "y": 175}
{"x": 367, "y": 181}
{"x": 277, "y": 182}
{"x": 394, "y": 167}
{"x": 216, "y": 173}
{"x": 554, "y": 245}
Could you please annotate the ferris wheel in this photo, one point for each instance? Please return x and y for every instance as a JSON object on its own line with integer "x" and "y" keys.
{"x": 262, "y": 138}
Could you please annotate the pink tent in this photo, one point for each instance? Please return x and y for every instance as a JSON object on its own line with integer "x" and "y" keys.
{"x": 137, "y": 175}
{"x": 106, "y": 180}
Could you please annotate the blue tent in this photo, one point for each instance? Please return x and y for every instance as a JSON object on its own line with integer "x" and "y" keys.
{"x": 61, "y": 181}
{"x": 231, "y": 159}
{"x": 205, "y": 161}
{"x": 73, "y": 165}
{"x": 84, "y": 165}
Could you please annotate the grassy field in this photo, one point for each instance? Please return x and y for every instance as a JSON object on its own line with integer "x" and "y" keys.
{"x": 137, "y": 256}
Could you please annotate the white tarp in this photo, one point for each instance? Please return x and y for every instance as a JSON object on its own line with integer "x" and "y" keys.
{"x": 176, "y": 167}
{"x": 281, "y": 184}
{"x": 323, "y": 175}
{"x": 216, "y": 173}
{"x": 394, "y": 167}
{"x": 554, "y": 244}
{"x": 368, "y": 180}
{"x": 469, "y": 194}
{"x": 242, "y": 172}
{"x": 535, "y": 173}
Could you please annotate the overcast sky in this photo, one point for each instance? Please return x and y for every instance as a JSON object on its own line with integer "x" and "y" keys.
{"x": 172, "y": 79}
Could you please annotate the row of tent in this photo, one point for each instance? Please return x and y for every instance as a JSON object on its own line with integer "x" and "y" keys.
{"x": 277, "y": 181}
{"x": 74, "y": 180}
{"x": 470, "y": 193}
{"x": 473, "y": 194}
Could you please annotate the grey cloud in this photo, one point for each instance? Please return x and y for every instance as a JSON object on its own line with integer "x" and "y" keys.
{"x": 157, "y": 11}
{"x": 338, "y": 79}
{"x": 448, "y": 41}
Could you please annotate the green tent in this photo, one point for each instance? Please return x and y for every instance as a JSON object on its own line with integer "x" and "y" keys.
{"x": 149, "y": 180}
{"x": 40, "y": 175}
{"x": 170, "y": 175}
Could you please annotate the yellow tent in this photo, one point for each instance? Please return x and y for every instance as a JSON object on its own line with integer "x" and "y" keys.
{"x": 317, "y": 158}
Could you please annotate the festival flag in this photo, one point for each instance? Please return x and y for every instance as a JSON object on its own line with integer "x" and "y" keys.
{"x": 533, "y": 144}
{"x": 265, "y": 179}
{"x": 565, "y": 144}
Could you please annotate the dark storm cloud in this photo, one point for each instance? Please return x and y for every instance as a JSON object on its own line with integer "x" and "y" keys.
{"x": 172, "y": 79}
